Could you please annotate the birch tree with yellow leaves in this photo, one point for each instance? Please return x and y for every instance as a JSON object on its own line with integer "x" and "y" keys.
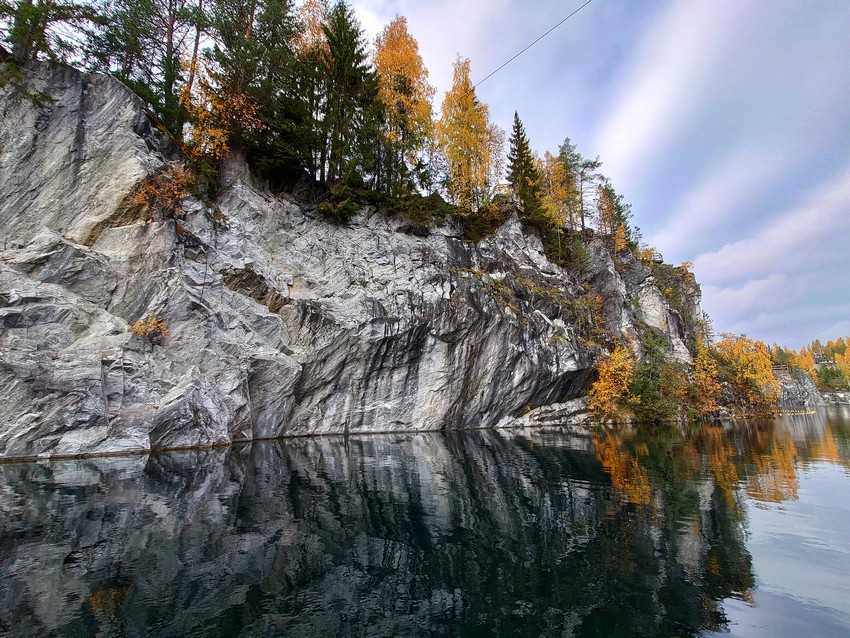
{"x": 405, "y": 95}
{"x": 471, "y": 144}
{"x": 610, "y": 391}
{"x": 555, "y": 186}
{"x": 705, "y": 390}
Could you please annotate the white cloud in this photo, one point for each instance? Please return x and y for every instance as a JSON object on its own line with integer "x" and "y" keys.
{"x": 786, "y": 242}
{"x": 789, "y": 324}
{"x": 663, "y": 86}
{"x": 840, "y": 328}
{"x": 793, "y": 268}
{"x": 735, "y": 181}
{"x": 751, "y": 296}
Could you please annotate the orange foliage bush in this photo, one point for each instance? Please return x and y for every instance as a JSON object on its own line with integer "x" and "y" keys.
{"x": 164, "y": 191}
{"x": 151, "y": 329}
{"x": 611, "y": 387}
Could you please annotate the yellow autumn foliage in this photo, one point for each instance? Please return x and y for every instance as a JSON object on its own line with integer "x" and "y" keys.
{"x": 647, "y": 254}
{"x": 620, "y": 241}
{"x": 611, "y": 387}
{"x": 214, "y": 114}
{"x": 705, "y": 389}
{"x": 151, "y": 329}
{"x": 843, "y": 362}
{"x": 471, "y": 144}
{"x": 311, "y": 39}
{"x": 403, "y": 86}
{"x": 555, "y": 190}
{"x": 751, "y": 367}
{"x": 803, "y": 360}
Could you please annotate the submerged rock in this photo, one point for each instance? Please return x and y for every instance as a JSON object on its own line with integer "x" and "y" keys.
{"x": 279, "y": 323}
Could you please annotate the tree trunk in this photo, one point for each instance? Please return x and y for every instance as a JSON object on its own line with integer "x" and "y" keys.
{"x": 194, "y": 64}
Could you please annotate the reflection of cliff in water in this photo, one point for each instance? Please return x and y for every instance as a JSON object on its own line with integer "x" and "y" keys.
{"x": 474, "y": 533}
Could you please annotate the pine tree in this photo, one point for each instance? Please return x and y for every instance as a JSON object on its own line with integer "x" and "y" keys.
{"x": 143, "y": 43}
{"x": 612, "y": 215}
{"x": 248, "y": 99}
{"x": 582, "y": 177}
{"x": 523, "y": 175}
{"x": 36, "y": 27}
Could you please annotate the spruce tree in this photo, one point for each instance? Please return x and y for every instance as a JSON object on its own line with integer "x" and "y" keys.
{"x": 349, "y": 86}
{"x": 523, "y": 175}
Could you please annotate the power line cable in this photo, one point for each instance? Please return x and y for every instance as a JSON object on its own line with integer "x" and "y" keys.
{"x": 480, "y": 82}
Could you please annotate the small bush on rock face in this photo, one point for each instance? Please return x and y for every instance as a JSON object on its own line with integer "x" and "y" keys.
{"x": 340, "y": 205}
{"x": 483, "y": 222}
{"x": 162, "y": 193}
{"x": 150, "y": 329}
{"x": 610, "y": 391}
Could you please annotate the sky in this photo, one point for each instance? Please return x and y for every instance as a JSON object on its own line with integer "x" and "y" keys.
{"x": 726, "y": 125}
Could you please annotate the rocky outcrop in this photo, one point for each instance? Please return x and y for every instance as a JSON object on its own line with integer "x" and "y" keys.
{"x": 279, "y": 323}
{"x": 836, "y": 398}
{"x": 68, "y": 162}
{"x": 797, "y": 390}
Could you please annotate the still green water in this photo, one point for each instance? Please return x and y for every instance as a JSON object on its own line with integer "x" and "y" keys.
{"x": 671, "y": 532}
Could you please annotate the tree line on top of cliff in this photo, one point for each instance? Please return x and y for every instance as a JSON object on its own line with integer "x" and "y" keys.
{"x": 295, "y": 88}
{"x": 828, "y": 364}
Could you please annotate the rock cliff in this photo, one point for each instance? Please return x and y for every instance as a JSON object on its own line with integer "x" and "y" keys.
{"x": 279, "y": 322}
{"x": 797, "y": 389}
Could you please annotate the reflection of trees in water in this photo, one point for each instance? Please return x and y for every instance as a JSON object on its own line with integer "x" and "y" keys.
{"x": 834, "y": 445}
{"x": 702, "y": 475}
{"x": 764, "y": 458}
{"x": 774, "y": 478}
{"x": 628, "y": 477}
{"x": 479, "y": 533}
{"x": 691, "y": 478}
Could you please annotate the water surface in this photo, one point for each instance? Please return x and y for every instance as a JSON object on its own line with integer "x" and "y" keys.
{"x": 674, "y": 532}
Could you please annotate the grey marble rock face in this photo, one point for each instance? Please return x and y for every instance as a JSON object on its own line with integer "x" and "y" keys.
{"x": 797, "y": 389}
{"x": 279, "y": 323}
